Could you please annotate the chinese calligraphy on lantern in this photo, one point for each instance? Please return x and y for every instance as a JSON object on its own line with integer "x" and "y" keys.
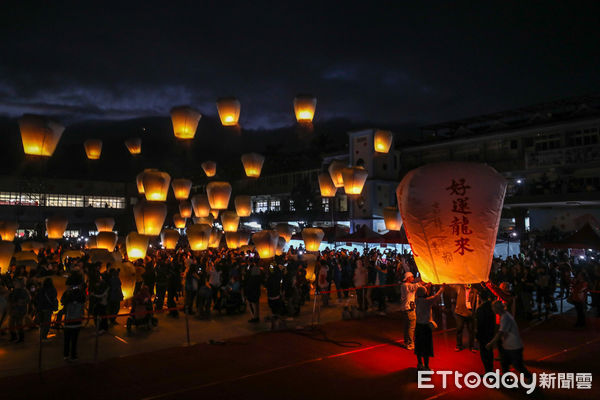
{"x": 460, "y": 207}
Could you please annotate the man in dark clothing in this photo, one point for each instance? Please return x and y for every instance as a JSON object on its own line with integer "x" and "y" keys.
{"x": 486, "y": 325}
{"x": 115, "y": 295}
{"x": 162, "y": 281}
{"x": 174, "y": 283}
{"x": 47, "y": 303}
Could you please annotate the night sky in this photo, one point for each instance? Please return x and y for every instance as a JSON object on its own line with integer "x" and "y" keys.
{"x": 391, "y": 63}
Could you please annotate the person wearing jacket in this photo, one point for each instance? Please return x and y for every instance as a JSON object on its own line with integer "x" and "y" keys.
{"x": 252, "y": 291}
{"x": 360, "y": 280}
{"x": 73, "y": 301}
{"x": 486, "y": 328}
{"x": 466, "y": 301}
{"x": 18, "y": 303}
{"x": 115, "y": 295}
{"x": 100, "y": 295}
{"x": 47, "y": 303}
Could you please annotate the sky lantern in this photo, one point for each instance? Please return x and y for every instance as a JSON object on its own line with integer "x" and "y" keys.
{"x": 185, "y": 122}
{"x": 243, "y": 238}
{"x": 354, "y": 180}
{"x": 210, "y": 168}
{"x": 230, "y": 221}
{"x": 199, "y": 236}
{"x": 285, "y": 230}
{"x": 326, "y": 185}
{"x": 185, "y": 209}
{"x": 8, "y": 230}
{"x": 39, "y": 134}
{"x": 214, "y": 213}
{"x": 128, "y": 277}
{"x": 91, "y": 243}
{"x": 7, "y": 250}
{"x": 156, "y": 185}
{"x": 209, "y": 220}
{"x": 229, "y": 110}
{"x": 215, "y": 238}
{"x": 105, "y": 224}
{"x": 392, "y": 218}
{"x": 178, "y": 221}
{"x": 312, "y": 238}
{"x": 335, "y": 171}
{"x": 200, "y": 205}
{"x": 218, "y": 195}
{"x": 280, "y": 246}
{"x": 451, "y": 212}
{"x": 382, "y": 141}
{"x": 106, "y": 240}
{"x": 56, "y": 226}
{"x": 253, "y": 163}
{"x": 134, "y": 145}
{"x": 149, "y": 217}
{"x": 304, "y": 108}
{"x": 265, "y": 243}
{"x": 136, "y": 246}
{"x": 181, "y": 188}
{"x": 169, "y": 238}
{"x": 93, "y": 148}
{"x": 232, "y": 239}
{"x": 243, "y": 205}
{"x": 31, "y": 246}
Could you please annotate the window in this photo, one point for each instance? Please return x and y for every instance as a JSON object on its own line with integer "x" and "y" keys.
{"x": 275, "y": 205}
{"x": 63, "y": 200}
{"x": 71, "y": 233}
{"x": 343, "y": 204}
{"x": 261, "y": 206}
{"x": 292, "y": 208}
{"x": 60, "y": 200}
{"x": 325, "y": 204}
{"x": 105, "y": 202}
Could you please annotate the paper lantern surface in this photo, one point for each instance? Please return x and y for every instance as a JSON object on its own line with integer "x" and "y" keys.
{"x": 199, "y": 236}
{"x": 312, "y": 238}
{"x": 451, "y": 213}
{"x": 285, "y": 230}
{"x": 134, "y": 145}
{"x": 392, "y": 218}
{"x": 156, "y": 185}
{"x": 106, "y": 240}
{"x": 326, "y": 185}
{"x": 236, "y": 239}
{"x": 136, "y": 245}
{"x": 185, "y": 122}
{"x": 209, "y": 220}
{"x": 201, "y": 205}
{"x": 382, "y": 141}
{"x": 280, "y": 246}
{"x": 178, "y": 221}
{"x": 93, "y": 148}
{"x": 354, "y": 180}
{"x": 39, "y": 134}
{"x": 105, "y": 224}
{"x": 8, "y": 230}
{"x": 230, "y": 221}
{"x": 185, "y": 209}
{"x": 56, "y": 226}
{"x": 7, "y": 250}
{"x": 229, "y": 110}
{"x": 335, "y": 171}
{"x": 304, "y": 108}
{"x": 210, "y": 168}
{"x": 253, "y": 163}
{"x": 181, "y": 188}
{"x": 139, "y": 180}
{"x": 215, "y": 238}
{"x": 218, "y": 195}
{"x": 149, "y": 217}
{"x": 243, "y": 205}
{"x": 169, "y": 238}
{"x": 265, "y": 243}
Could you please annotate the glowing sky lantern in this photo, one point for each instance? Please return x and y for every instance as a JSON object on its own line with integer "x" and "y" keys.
{"x": 91, "y": 243}
{"x": 312, "y": 238}
{"x": 178, "y": 221}
{"x": 451, "y": 213}
{"x": 156, "y": 185}
{"x": 185, "y": 122}
{"x": 280, "y": 246}
{"x": 209, "y": 168}
{"x": 243, "y": 238}
{"x": 326, "y": 185}
{"x": 230, "y": 221}
{"x": 209, "y": 220}
{"x": 243, "y": 205}
{"x": 218, "y": 195}
{"x": 185, "y": 208}
{"x": 7, "y": 250}
{"x": 106, "y": 240}
{"x": 134, "y": 145}
{"x": 139, "y": 179}
{"x": 181, "y": 188}
{"x": 169, "y": 238}
{"x": 354, "y": 180}
{"x": 382, "y": 141}
{"x": 335, "y": 171}
{"x": 149, "y": 217}
{"x": 93, "y": 148}
{"x": 215, "y": 238}
{"x": 253, "y": 163}
{"x": 200, "y": 205}
{"x": 214, "y": 213}
{"x": 304, "y": 108}
{"x": 392, "y": 218}
{"x": 105, "y": 224}
{"x": 265, "y": 243}
{"x": 8, "y": 230}
{"x": 136, "y": 246}
{"x": 232, "y": 239}
{"x": 39, "y": 134}
{"x": 128, "y": 277}
{"x": 229, "y": 110}
{"x": 285, "y": 230}
{"x": 56, "y": 226}
{"x": 199, "y": 236}
{"x": 31, "y": 246}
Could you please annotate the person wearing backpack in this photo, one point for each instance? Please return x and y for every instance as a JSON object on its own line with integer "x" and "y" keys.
{"x": 73, "y": 301}
{"x": 47, "y": 303}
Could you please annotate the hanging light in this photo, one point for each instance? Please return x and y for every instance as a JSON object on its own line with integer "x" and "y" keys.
{"x": 265, "y": 243}
{"x": 218, "y": 195}
{"x": 243, "y": 205}
{"x": 253, "y": 163}
{"x": 93, "y": 148}
{"x": 149, "y": 217}
{"x": 8, "y": 230}
{"x": 354, "y": 180}
{"x": 209, "y": 220}
{"x": 382, "y": 141}
{"x": 106, "y": 240}
{"x": 200, "y": 205}
{"x": 181, "y": 188}
{"x": 210, "y": 168}
{"x": 169, "y": 238}
{"x": 156, "y": 185}
{"x": 312, "y": 238}
{"x": 199, "y": 236}
{"x": 326, "y": 185}
{"x": 285, "y": 230}
{"x": 230, "y": 221}
{"x": 105, "y": 224}
{"x": 134, "y": 145}
{"x": 39, "y": 134}
{"x": 185, "y": 122}
{"x": 229, "y": 110}
{"x": 392, "y": 218}
{"x": 178, "y": 221}
{"x": 335, "y": 171}
{"x": 56, "y": 226}
{"x": 7, "y": 250}
{"x": 185, "y": 209}
{"x": 136, "y": 246}
{"x": 304, "y": 108}
{"x": 215, "y": 238}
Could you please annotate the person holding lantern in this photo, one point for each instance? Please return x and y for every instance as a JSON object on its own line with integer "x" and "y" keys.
{"x": 423, "y": 327}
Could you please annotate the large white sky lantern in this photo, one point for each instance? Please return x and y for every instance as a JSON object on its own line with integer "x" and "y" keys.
{"x": 335, "y": 171}
{"x": 451, "y": 213}
{"x": 354, "y": 180}
{"x": 185, "y": 122}
{"x": 218, "y": 195}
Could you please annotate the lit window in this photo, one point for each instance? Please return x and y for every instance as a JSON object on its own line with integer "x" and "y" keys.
{"x": 261, "y": 206}
{"x": 275, "y": 205}
{"x": 325, "y": 204}
{"x": 292, "y": 208}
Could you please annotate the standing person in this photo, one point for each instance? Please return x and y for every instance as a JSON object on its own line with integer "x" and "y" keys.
{"x": 18, "y": 303}
{"x": 512, "y": 346}
{"x": 47, "y": 303}
{"x": 577, "y": 297}
{"x": 463, "y": 312}
{"x": 360, "y": 280}
{"x": 423, "y": 330}
{"x": 191, "y": 288}
{"x": 215, "y": 281}
{"x": 100, "y": 295}
{"x": 73, "y": 301}
{"x": 252, "y": 291}
{"x": 274, "y": 291}
{"x": 407, "y": 305}
{"x": 115, "y": 295}
{"x": 486, "y": 327}
{"x": 323, "y": 282}
{"x": 173, "y": 287}
{"x": 161, "y": 282}
{"x": 3, "y": 305}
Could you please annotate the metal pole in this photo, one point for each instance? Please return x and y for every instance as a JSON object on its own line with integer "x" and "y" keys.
{"x": 312, "y": 322}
